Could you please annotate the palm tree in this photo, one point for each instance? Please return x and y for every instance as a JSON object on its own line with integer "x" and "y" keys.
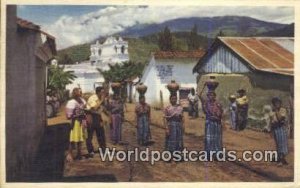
{"x": 58, "y": 78}
{"x": 123, "y": 73}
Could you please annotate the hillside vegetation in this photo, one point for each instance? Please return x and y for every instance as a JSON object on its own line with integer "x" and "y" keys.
{"x": 139, "y": 48}
{"x": 207, "y": 26}
{"x": 144, "y": 38}
{"x": 77, "y": 53}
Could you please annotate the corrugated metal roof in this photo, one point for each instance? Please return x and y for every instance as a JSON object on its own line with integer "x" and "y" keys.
{"x": 264, "y": 53}
{"x": 268, "y": 54}
{"x": 287, "y": 44}
{"x": 179, "y": 54}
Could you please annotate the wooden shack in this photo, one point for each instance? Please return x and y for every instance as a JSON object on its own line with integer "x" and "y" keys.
{"x": 263, "y": 66}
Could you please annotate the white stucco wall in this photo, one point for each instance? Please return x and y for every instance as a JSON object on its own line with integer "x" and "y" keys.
{"x": 87, "y": 75}
{"x": 150, "y": 80}
{"x": 160, "y": 72}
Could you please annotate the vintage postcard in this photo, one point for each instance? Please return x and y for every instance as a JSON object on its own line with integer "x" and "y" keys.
{"x": 149, "y": 92}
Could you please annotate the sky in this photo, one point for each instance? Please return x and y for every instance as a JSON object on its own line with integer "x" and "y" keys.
{"x": 77, "y": 24}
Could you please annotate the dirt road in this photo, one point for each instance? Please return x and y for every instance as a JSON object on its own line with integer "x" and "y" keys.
{"x": 94, "y": 169}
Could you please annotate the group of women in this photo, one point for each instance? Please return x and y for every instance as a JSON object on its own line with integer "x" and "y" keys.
{"x": 173, "y": 121}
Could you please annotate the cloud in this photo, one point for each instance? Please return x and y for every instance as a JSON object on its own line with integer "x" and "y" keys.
{"x": 71, "y": 30}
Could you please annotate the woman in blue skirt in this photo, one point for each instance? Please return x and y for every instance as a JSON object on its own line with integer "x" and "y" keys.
{"x": 174, "y": 121}
{"x": 278, "y": 124}
{"x": 213, "y": 123}
{"x": 116, "y": 110}
{"x": 142, "y": 111}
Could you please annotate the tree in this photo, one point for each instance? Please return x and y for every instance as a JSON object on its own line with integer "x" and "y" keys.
{"x": 58, "y": 78}
{"x": 193, "y": 41}
{"x": 165, "y": 41}
{"x": 221, "y": 33}
{"x": 123, "y": 73}
{"x": 65, "y": 59}
{"x": 179, "y": 44}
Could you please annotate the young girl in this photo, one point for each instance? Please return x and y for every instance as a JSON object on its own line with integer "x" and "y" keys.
{"x": 233, "y": 111}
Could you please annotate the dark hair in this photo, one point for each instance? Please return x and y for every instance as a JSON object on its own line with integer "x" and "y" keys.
{"x": 173, "y": 95}
{"x": 241, "y": 91}
{"x": 193, "y": 91}
{"x": 141, "y": 97}
{"x": 276, "y": 99}
{"x": 74, "y": 90}
{"x": 211, "y": 92}
{"x": 98, "y": 89}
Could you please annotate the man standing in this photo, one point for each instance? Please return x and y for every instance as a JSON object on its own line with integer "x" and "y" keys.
{"x": 95, "y": 105}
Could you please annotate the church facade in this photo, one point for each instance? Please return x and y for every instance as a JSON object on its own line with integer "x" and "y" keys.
{"x": 113, "y": 50}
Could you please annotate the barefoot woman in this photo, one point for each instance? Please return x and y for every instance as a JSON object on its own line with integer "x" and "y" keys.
{"x": 174, "y": 122}
{"x": 75, "y": 113}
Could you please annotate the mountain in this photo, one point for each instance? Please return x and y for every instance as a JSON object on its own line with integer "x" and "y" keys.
{"x": 143, "y": 38}
{"x": 207, "y": 26}
{"x": 287, "y": 31}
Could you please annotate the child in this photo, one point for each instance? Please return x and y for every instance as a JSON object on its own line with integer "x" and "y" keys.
{"x": 233, "y": 111}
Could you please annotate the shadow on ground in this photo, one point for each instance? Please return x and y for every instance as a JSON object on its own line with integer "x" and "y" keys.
{"x": 49, "y": 162}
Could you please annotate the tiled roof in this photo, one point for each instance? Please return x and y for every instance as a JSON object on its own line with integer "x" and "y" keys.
{"x": 46, "y": 51}
{"x": 29, "y": 25}
{"x": 179, "y": 54}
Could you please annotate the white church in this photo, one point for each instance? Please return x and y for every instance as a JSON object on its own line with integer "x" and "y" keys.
{"x": 112, "y": 51}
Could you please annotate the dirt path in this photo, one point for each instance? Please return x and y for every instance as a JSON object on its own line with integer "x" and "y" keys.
{"x": 182, "y": 171}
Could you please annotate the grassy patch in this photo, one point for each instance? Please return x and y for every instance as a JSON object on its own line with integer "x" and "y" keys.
{"x": 77, "y": 53}
{"x": 140, "y": 50}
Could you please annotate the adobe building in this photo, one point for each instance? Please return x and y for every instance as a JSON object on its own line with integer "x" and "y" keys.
{"x": 28, "y": 50}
